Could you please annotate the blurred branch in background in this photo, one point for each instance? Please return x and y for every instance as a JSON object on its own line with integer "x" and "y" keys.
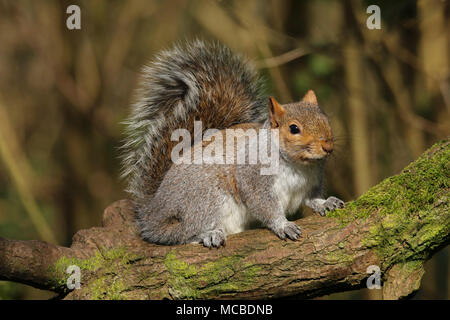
{"x": 434, "y": 48}
{"x": 272, "y": 62}
{"x": 358, "y": 119}
{"x": 21, "y": 173}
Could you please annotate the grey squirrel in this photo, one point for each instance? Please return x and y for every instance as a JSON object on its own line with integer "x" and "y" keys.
{"x": 183, "y": 203}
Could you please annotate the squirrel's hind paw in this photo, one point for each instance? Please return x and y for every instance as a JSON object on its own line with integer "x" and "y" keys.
{"x": 214, "y": 238}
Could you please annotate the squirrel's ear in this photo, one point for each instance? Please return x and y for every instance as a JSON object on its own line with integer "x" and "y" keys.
{"x": 310, "y": 97}
{"x": 276, "y": 112}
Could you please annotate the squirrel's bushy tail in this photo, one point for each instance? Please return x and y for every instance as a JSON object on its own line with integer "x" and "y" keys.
{"x": 194, "y": 81}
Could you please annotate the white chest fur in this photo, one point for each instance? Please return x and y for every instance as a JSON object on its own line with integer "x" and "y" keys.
{"x": 235, "y": 216}
{"x": 293, "y": 184}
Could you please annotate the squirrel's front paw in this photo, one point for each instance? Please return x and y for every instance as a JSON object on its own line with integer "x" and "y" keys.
{"x": 214, "y": 238}
{"x": 331, "y": 204}
{"x": 287, "y": 228}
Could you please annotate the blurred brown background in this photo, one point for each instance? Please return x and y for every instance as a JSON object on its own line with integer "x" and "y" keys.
{"x": 63, "y": 94}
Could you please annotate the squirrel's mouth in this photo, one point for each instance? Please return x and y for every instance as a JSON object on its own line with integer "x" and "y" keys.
{"x": 314, "y": 153}
{"x": 311, "y": 158}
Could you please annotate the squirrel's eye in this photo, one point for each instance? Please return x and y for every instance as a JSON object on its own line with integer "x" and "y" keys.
{"x": 294, "y": 129}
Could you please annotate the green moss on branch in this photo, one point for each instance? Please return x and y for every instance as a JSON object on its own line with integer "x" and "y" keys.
{"x": 412, "y": 209}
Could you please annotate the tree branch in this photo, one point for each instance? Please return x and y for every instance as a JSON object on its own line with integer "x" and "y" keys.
{"x": 27, "y": 262}
{"x": 397, "y": 225}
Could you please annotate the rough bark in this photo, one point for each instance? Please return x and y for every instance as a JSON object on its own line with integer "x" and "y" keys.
{"x": 396, "y": 225}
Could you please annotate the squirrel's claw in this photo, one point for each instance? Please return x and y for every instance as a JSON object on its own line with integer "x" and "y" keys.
{"x": 333, "y": 203}
{"x": 289, "y": 229}
{"x": 292, "y": 230}
{"x": 330, "y": 204}
{"x": 214, "y": 238}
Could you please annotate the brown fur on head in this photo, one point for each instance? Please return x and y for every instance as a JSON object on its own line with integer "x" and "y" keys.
{"x": 304, "y": 131}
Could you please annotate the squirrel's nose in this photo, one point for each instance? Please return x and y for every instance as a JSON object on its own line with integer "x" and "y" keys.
{"x": 327, "y": 146}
